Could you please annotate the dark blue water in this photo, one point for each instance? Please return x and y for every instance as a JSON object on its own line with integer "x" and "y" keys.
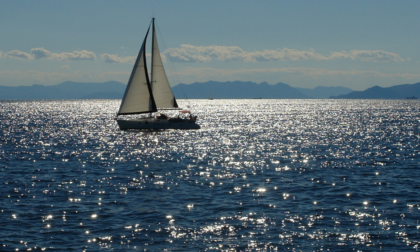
{"x": 261, "y": 175}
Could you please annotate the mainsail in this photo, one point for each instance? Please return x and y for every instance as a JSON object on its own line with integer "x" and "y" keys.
{"x": 138, "y": 96}
{"x": 162, "y": 92}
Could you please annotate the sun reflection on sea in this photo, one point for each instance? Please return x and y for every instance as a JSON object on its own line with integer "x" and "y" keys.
{"x": 261, "y": 175}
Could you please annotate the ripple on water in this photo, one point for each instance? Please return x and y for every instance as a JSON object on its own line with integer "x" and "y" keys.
{"x": 259, "y": 175}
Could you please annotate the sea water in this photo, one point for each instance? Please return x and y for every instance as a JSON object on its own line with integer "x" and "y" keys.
{"x": 260, "y": 175}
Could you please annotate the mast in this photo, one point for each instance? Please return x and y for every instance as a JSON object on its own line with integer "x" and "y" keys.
{"x": 153, "y": 52}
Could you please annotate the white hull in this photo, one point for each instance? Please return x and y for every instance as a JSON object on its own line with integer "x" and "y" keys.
{"x": 155, "y": 124}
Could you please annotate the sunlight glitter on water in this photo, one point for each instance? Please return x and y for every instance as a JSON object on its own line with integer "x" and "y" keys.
{"x": 259, "y": 175}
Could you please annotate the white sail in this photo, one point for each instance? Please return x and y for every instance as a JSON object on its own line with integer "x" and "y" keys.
{"x": 138, "y": 97}
{"x": 162, "y": 91}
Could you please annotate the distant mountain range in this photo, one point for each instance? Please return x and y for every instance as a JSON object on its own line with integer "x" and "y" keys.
{"x": 321, "y": 92}
{"x": 252, "y": 90}
{"x": 237, "y": 90}
{"x": 65, "y": 90}
{"x": 404, "y": 91}
{"x": 218, "y": 90}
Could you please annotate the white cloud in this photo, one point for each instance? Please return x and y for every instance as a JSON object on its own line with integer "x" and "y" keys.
{"x": 19, "y": 55}
{"x": 78, "y": 55}
{"x": 190, "y": 53}
{"x": 111, "y": 58}
{"x": 65, "y": 67}
{"x": 41, "y": 53}
{"x": 376, "y": 56}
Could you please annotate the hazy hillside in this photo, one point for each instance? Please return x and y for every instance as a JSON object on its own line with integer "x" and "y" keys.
{"x": 376, "y": 92}
{"x": 198, "y": 90}
{"x": 236, "y": 90}
{"x": 322, "y": 92}
{"x": 65, "y": 90}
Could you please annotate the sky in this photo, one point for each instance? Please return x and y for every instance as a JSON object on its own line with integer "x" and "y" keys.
{"x": 349, "y": 43}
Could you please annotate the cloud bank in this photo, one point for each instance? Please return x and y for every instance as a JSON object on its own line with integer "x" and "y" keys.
{"x": 111, "y": 58}
{"x": 41, "y": 53}
{"x": 190, "y": 53}
{"x": 194, "y": 54}
{"x": 19, "y": 55}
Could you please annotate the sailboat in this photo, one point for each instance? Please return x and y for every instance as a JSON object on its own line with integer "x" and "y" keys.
{"x": 148, "y": 97}
{"x": 211, "y": 97}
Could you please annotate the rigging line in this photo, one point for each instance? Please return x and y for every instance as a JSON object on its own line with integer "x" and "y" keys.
{"x": 174, "y": 76}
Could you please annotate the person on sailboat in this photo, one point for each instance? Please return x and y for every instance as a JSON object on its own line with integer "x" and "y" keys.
{"x": 193, "y": 118}
{"x": 162, "y": 116}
